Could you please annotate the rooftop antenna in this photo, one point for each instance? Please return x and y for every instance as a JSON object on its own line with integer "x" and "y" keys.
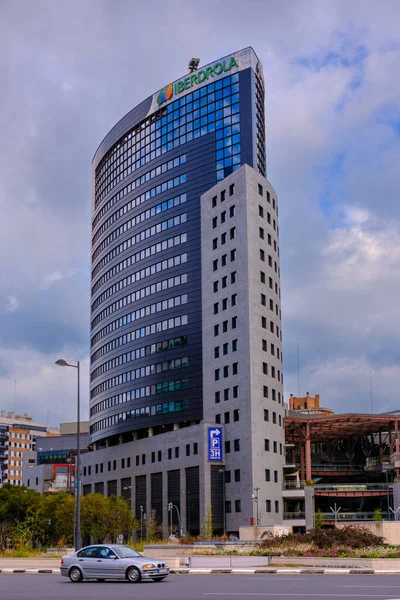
{"x": 193, "y": 64}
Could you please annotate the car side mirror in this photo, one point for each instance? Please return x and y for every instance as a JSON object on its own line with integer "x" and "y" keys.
{"x": 114, "y": 557}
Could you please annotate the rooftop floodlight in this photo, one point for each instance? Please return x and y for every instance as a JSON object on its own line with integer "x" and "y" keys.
{"x": 194, "y": 64}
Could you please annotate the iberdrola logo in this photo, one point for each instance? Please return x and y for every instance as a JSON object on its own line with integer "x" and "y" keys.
{"x": 165, "y": 94}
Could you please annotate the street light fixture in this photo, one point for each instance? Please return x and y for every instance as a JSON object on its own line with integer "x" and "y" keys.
{"x": 222, "y": 470}
{"x": 387, "y": 492}
{"x": 77, "y": 526}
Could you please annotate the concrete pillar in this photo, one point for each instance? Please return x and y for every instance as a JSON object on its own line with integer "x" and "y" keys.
{"x": 165, "y": 513}
{"x": 390, "y": 441}
{"x": 302, "y": 471}
{"x": 183, "y": 501}
{"x": 120, "y": 439}
{"x": 308, "y": 452}
{"x": 176, "y": 426}
{"x": 135, "y": 436}
{"x": 150, "y": 432}
{"x": 396, "y": 433}
{"x": 380, "y": 448}
{"x": 95, "y": 446}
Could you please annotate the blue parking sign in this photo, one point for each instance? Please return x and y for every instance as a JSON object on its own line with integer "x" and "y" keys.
{"x": 215, "y": 453}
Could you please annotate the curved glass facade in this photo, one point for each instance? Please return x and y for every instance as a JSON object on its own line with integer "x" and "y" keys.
{"x": 148, "y": 176}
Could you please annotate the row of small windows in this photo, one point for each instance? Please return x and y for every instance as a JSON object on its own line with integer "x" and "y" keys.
{"x": 143, "y": 216}
{"x": 268, "y": 506}
{"x": 157, "y": 267}
{"x": 276, "y": 418}
{"x": 132, "y": 260}
{"x": 224, "y": 260}
{"x": 223, "y": 216}
{"x": 275, "y": 446}
{"x": 138, "y": 353}
{"x": 228, "y": 445}
{"x": 176, "y": 452}
{"x": 224, "y": 303}
{"x": 224, "y": 327}
{"x": 228, "y": 506}
{"x": 268, "y": 195}
{"x": 269, "y": 238}
{"x": 275, "y": 373}
{"x": 140, "y": 313}
{"x": 270, "y": 221}
{"x": 222, "y": 195}
{"x": 264, "y": 346}
{"x": 146, "y": 233}
{"x": 227, "y": 417}
{"x": 140, "y": 333}
{"x": 215, "y": 110}
{"x": 147, "y": 371}
{"x": 234, "y": 346}
{"x": 143, "y": 392}
{"x": 138, "y": 413}
{"x": 226, "y": 394}
{"x": 224, "y": 281}
{"x": 262, "y": 257}
{"x": 268, "y": 475}
{"x": 167, "y": 166}
{"x": 271, "y": 305}
{"x": 226, "y": 371}
{"x": 274, "y": 394}
{"x": 272, "y": 327}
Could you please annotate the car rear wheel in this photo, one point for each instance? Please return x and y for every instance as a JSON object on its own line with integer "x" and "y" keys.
{"x": 158, "y": 578}
{"x": 75, "y": 575}
{"x": 133, "y": 575}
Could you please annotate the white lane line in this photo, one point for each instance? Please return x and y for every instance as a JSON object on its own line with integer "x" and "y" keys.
{"x": 297, "y": 595}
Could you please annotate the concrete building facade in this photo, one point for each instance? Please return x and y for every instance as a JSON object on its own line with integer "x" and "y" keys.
{"x": 164, "y": 254}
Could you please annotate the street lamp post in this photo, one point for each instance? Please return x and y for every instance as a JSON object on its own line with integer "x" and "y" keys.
{"x": 171, "y": 507}
{"x": 387, "y": 492}
{"x": 255, "y": 499}
{"x": 141, "y": 523}
{"x": 77, "y": 526}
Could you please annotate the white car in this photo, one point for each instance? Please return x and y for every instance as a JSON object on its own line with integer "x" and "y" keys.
{"x": 110, "y": 561}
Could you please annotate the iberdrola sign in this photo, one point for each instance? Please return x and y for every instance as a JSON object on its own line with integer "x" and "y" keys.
{"x": 195, "y": 78}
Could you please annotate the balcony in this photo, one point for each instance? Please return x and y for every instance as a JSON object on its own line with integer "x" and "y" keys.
{"x": 352, "y": 489}
{"x": 337, "y": 469}
{"x": 293, "y": 489}
{"x": 294, "y": 519}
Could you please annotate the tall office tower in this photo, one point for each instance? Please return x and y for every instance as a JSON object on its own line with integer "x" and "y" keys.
{"x": 186, "y": 403}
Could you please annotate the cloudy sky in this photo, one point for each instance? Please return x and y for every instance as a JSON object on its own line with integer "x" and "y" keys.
{"x": 70, "y": 70}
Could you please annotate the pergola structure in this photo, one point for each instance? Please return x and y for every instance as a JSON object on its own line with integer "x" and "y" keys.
{"x": 303, "y": 430}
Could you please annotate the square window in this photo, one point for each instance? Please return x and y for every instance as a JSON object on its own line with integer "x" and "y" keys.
{"x": 195, "y": 448}
{"x": 223, "y": 238}
{"x": 236, "y": 445}
{"x": 234, "y": 300}
{"x": 226, "y": 394}
{"x": 276, "y": 506}
{"x": 169, "y": 453}
{"x": 264, "y": 345}
{"x": 215, "y": 243}
{"x": 234, "y": 322}
{"x": 215, "y": 308}
{"x": 215, "y": 222}
{"x": 214, "y": 201}
{"x": 216, "y": 330}
{"x": 265, "y": 368}
{"x": 262, "y": 255}
{"x": 159, "y": 455}
{"x": 276, "y": 447}
{"x": 233, "y": 277}
{"x": 234, "y": 345}
{"x": 236, "y": 415}
{"x": 260, "y": 189}
{"x": 217, "y": 397}
{"x": 223, "y": 216}
{"x": 227, "y": 447}
{"x": 266, "y": 414}
{"x": 225, "y": 348}
{"x": 232, "y": 233}
{"x": 266, "y": 445}
{"x": 226, "y": 371}
{"x": 261, "y": 233}
{"x": 269, "y": 240}
{"x": 237, "y": 475}
{"x": 263, "y": 300}
{"x": 226, "y": 418}
{"x": 235, "y": 391}
{"x": 223, "y": 195}
{"x": 227, "y": 476}
{"x": 224, "y": 260}
{"x": 274, "y": 417}
{"x": 232, "y": 211}
{"x": 215, "y": 286}
{"x": 225, "y": 326}
{"x": 217, "y": 374}
{"x": 153, "y": 457}
{"x": 224, "y": 303}
{"x": 262, "y": 276}
{"x": 267, "y": 475}
{"x": 215, "y": 264}
{"x": 216, "y": 352}
{"x": 225, "y": 281}
{"x": 263, "y": 323}
{"x": 265, "y": 391}
{"x": 187, "y": 449}
{"x": 238, "y": 506}
{"x": 228, "y": 506}
{"x": 176, "y": 451}
{"x": 233, "y": 254}
{"x": 275, "y": 476}
{"x": 268, "y": 506}
{"x": 235, "y": 368}
{"x": 231, "y": 189}
{"x": 218, "y": 418}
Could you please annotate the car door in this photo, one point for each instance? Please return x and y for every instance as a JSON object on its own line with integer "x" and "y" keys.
{"x": 87, "y": 561}
{"x": 110, "y": 565}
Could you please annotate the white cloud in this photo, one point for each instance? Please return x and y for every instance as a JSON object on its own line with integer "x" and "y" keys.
{"x": 12, "y": 303}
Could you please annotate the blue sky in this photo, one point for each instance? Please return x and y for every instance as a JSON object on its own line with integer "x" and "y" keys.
{"x": 70, "y": 70}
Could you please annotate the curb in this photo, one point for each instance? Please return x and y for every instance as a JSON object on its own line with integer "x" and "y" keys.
{"x": 222, "y": 571}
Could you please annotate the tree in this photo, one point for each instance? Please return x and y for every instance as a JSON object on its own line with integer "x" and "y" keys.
{"x": 318, "y": 519}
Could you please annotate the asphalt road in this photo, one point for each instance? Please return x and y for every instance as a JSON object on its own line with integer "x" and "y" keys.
{"x": 205, "y": 587}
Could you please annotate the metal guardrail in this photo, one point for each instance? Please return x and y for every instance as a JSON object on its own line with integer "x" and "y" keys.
{"x": 289, "y": 516}
{"x": 351, "y": 487}
{"x": 357, "y": 516}
{"x": 337, "y": 467}
{"x": 293, "y": 485}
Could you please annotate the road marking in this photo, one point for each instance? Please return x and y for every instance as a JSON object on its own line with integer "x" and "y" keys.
{"x": 297, "y": 595}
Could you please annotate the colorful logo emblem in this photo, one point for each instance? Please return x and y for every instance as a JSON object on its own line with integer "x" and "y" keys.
{"x": 165, "y": 94}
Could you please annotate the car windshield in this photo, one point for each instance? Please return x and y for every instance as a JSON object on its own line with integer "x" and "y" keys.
{"x": 125, "y": 552}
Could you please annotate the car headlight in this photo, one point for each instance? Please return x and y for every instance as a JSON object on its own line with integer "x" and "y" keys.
{"x": 149, "y": 566}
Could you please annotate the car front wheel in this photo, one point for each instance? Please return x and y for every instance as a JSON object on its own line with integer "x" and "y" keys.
{"x": 75, "y": 575}
{"x": 133, "y": 575}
